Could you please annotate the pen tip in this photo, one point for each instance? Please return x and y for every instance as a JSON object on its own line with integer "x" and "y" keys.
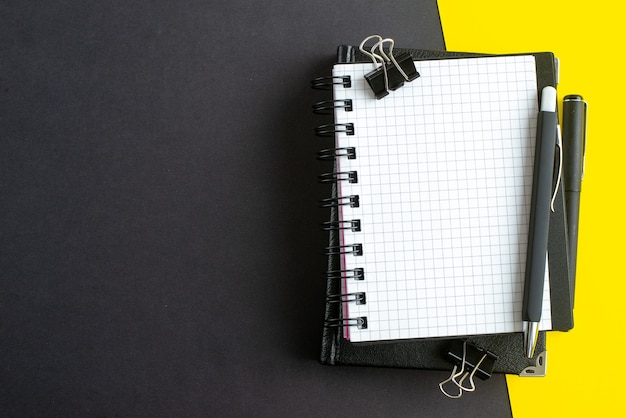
{"x": 530, "y": 338}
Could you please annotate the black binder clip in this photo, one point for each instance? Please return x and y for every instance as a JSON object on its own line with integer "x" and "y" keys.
{"x": 469, "y": 361}
{"x": 392, "y": 72}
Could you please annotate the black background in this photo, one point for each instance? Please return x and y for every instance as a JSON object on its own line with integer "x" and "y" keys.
{"x": 160, "y": 246}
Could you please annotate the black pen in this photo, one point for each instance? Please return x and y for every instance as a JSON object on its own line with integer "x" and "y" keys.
{"x": 574, "y": 138}
{"x": 539, "y": 218}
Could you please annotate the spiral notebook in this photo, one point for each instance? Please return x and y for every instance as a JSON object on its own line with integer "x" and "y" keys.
{"x": 437, "y": 178}
{"x": 340, "y": 312}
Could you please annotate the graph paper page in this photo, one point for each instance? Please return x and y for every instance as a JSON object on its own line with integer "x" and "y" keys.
{"x": 444, "y": 169}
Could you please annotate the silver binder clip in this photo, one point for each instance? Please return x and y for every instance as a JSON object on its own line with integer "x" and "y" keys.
{"x": 390, "y": 72}
{"x": 379, "y": 67}
{"x": 475, "y": 363}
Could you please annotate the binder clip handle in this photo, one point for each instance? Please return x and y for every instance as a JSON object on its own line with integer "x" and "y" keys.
{"x": 470, "y": 361}
{"x": 389, "y": 73}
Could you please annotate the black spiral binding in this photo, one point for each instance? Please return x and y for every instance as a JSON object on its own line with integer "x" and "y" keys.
{"x": 353, "y": 225}
{"x": 336, "y": 300}
{"x": 337, "y": 176}
{"x": 356, "y": 249}
{"x": 359, "y": 322}
{"x": 334, "y": 153}
{"x": 327, "y": 107}
{"x": 327, "y": 83}
{"x": 354, "y": 274}
{"x": 335, "y": 202}
{"x": 332, "y": 128}
{"x": 356, "y": 297}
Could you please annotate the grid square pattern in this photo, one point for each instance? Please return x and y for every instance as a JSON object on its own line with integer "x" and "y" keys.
{"x": 445, "y": 169}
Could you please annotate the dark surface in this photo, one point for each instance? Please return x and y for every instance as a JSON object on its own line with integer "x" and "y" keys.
{"x": 159, "y": 243}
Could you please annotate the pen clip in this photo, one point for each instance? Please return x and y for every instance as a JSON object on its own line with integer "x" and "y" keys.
{"x": 586, "y": 107}
{"x": 559, "y": 144}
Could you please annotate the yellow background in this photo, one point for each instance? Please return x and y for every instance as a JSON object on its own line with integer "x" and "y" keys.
{"x": 586, "y": 366}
